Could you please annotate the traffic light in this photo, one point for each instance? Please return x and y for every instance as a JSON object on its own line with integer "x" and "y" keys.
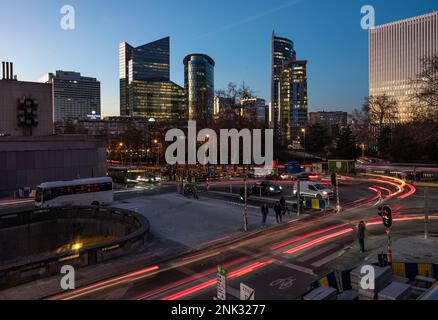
{"x": 242, "y": 194}
{"x": 386, "y": 213}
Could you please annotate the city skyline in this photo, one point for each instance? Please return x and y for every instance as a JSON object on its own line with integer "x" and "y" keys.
{"x": 97, "y": 29}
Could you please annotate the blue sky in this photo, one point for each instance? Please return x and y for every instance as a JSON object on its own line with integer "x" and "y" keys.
{"x": 235, "y": 33}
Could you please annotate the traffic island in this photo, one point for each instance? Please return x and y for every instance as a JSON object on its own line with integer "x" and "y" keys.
{"x": 412, "y": 275}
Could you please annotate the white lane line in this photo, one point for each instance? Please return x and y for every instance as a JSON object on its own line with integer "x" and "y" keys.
{"x": 316, "y": 253}
{"x": 299, "y": 268}
{"x": 327, "y": 259}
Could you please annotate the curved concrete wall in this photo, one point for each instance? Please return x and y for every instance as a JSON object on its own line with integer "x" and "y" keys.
{"x": 29, "y": 239}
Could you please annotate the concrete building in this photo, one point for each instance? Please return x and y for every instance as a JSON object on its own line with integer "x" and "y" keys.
{"x": 333, "y": 120}
{"x": 29, "y": 151}
{"x": 39, "y": 97}
{"x": 75, "y": 96}
{"x": 26, "y": 162}
{"x": 395, "y": 53}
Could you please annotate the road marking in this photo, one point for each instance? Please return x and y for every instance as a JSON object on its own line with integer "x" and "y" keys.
{"x": 299, "y": 268}
{"x": 327, "y": 259}
{"x": 317, "y": 253}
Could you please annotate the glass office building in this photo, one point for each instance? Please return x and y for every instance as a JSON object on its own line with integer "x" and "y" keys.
{"x": 282, "y": 50}
{"x": 293, "y": 101}
{"x": 199, "y": 86}
{"x": 395, "y": 53}
{"x": 159, "y": 100}
{"x": 145, "y": 86}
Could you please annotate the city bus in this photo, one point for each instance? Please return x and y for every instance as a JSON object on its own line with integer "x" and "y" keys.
{"x": 82, "y": 192}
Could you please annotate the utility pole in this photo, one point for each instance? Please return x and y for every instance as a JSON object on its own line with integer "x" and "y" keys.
{"x": 338, "y": 202}
{"x": 298, "y": 197}
{"x": 426, "y": 213}
{"x": 245, "y": 209}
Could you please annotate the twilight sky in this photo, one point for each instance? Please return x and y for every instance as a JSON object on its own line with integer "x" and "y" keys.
{"x": 235, "y": 33}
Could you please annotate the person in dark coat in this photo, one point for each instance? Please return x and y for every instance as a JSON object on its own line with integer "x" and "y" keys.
{"x": 283, "y": 205}
{"x": 361, "y": 236}
{"x": 277, "y": 209}
{"x": 265, "y": 212}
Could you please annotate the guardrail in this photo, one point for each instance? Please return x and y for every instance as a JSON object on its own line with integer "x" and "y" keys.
{"x": 30, "y": 269}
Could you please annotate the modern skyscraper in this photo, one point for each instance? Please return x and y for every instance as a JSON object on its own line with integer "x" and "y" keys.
{"x": 145, "y": 86}
{"x": 395, "y": 53}
{"x": 199, "y": 86}
{"x": 74, "y": 96}
{"x": 293, "y": 100}
{"x": 282, "y": 50}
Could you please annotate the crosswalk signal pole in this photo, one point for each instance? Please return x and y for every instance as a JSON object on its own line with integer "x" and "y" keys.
{"x": 245, "y": 209}
{"x": 426, "y": 213}
{"x": 338, "y": 202}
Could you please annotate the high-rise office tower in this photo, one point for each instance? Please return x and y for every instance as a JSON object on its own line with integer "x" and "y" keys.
{"x": 282, "y": 50}
{"x": 293, "y": 101}
{"x": 395, "y": 53}
{"x": 74, "y": 96}
{"x": 145, "y": 86}
{"x": 199, "y": 86}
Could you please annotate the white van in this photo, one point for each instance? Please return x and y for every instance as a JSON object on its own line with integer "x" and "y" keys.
{"x": 313, "y": 189}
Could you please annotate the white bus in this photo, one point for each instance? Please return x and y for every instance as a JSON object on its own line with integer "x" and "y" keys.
{"x": 82, "y": 192}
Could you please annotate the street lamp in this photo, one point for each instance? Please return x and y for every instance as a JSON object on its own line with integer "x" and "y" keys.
{"x": 303, "y": 131}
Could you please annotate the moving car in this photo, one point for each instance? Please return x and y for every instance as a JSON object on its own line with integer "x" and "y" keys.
{"x": 266, "y": 188}
{"x": 313, "y": 190}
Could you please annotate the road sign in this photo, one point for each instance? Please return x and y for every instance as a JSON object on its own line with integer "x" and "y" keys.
{"x": 246, "y": 293}
{"x": 221, "y": 283}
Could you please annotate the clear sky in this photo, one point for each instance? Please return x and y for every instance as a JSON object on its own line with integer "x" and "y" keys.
{"x": 235, "y": 33}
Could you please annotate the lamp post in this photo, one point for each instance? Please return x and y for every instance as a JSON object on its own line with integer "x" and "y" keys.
{"x": 303, "y": 131}
{"x": 157, "y": 143}
{"x": 121, "y": 154}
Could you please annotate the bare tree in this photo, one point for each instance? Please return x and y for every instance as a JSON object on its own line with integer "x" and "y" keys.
{"x": 425, "y": 89}
{"x": 382, "y": 110}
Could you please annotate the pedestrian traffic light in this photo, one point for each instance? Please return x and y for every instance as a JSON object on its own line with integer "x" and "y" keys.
{"x": 386, "y": 213}
{"x": 242, "y": 194}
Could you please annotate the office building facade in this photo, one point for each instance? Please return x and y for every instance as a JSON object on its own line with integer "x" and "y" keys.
{"x": 199, "y": 86}
{"x": 255, "y": 110}
{"x": 74, "y": 96}
{"x": 293, "y": 101}
{"x": 395, "y": 53}
{"x": 282, "y": 50}
{"x": 145, "y": 86}
{"x": 333, "y": 121}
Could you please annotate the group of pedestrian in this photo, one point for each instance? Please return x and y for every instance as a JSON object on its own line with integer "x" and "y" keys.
{"x": 280, "y": 209}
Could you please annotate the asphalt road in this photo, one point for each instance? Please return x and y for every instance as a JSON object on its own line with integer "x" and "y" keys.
{"x": 278, "y": 263}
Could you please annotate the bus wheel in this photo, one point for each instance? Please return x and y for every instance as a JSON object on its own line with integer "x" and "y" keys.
{"x": 95, "y": 203}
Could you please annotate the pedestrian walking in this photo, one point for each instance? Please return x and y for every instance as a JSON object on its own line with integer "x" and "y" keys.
{"x": 283, "y": 205}
{"x": 265, "y": 212}
{"x": 361, "y": 236}
{"x": 277, "y": 209}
